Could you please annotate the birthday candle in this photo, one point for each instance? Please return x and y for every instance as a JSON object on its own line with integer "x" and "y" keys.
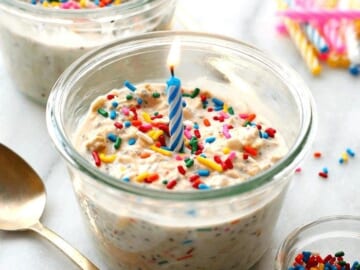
{"x": 176, "y": 127}
{"x": 319, "y": 14}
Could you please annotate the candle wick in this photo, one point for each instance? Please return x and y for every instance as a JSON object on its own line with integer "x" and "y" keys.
{"x": 172, "y": 71}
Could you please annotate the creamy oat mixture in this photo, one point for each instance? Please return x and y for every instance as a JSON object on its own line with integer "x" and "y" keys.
{"x": 126, "y": 135}
{"x": 36, "y": 51}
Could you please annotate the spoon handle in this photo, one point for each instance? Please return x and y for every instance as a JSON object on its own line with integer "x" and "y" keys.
{"x": 60, "y": 243}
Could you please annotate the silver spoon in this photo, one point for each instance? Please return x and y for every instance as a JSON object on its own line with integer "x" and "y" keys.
{"x": 22, "y": 202}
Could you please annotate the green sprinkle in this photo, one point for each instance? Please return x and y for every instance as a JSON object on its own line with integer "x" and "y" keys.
{"x": 163, "y": 262}
{"x": 165, "y": 182}
{"x": 246, "y": 123}
{"x": 189, "y": 163}
{"x": 342, "y": 263}
{"x": 117, "y": 143}
{"x": 195, "y": 93}
{"x": 129, "y": 97}
{"x": 103, "y": 112}
{"x": 156, "y": 113}
{"x": 155, "y": 95}
{"x": 231, "y": 110}
{"x": 339, "y": 254}
{"x": 204, "y": 230}
{"x": 186, "y": 95}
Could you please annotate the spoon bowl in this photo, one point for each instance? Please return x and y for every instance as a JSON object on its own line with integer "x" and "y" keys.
{"x": 22, "y": 202}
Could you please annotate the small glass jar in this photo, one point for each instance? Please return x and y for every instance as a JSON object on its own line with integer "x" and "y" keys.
{"x": 227, "y": 228}
{"x": 39, "y": 43}
{"x": 324, "y": 236}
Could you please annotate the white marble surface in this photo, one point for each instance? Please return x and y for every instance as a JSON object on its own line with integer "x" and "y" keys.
{"x": 22, "y": 127}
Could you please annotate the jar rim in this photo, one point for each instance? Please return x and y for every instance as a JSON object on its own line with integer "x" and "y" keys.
{"x": 125, "y": 10}
{"x": 272, "y": 175}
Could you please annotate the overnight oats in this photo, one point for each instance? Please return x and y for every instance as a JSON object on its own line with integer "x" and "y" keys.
{"x": 126, "y": 135}
{"x": 213, "y": 203}
{"x": 40, "y": 39}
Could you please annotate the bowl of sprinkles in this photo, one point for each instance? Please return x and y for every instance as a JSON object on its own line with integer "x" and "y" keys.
{"x": 41, "y": 38}
{"x": 179, "y": 149}
{"x": 328, "y": 243}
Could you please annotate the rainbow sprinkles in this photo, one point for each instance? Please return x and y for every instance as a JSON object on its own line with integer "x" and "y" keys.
{"x": 126, "y": 135}
{"x": 76, "y": 4}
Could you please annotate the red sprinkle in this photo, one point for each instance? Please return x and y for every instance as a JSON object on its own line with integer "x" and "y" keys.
{"x": 133, "y": 109}
{"x": 197, "y": 133}
{"x": 136, "y": 123}
{"x": 217, "y": 159}
{"x": 162, "y": 140}
{"x": 96, "y": 158}
{"x": 323, "y": 175}
{"x": 171, "y": 184}
{"x": 145, "y": 128}
{"x": 210, "y": 109}
{"x": 194, "y": 177}
{"x": 118, "y": 125}
{"x": 181, "y": 169}
{"x": 196, "y": 183}
{"x": 151, "y": 178}
{"x": 110, "y": 96}
{"x": 203, "y": 97}
{"x": 317, "y": 155}
{"x": 298, "y": 170}
{"x": 245, "y": 156}
{"x": 229, "y": 164}
{"x": 271, "y": 132}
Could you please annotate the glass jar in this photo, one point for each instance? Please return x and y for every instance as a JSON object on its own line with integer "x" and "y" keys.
{"x": 227, "y": 228}
{"x": 327, "y": 235}
{"x": 38, "y": 43}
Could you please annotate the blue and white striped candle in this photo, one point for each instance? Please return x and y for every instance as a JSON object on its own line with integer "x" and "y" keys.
{"x": 176, "y": 126}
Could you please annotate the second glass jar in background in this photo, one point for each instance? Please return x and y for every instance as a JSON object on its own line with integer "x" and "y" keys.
{"x": 38, "y": 43}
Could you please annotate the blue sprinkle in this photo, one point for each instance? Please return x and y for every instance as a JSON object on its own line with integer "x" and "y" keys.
{"x": 112, "y": 137}
{"x": 114, "y": 104}
{"x": 252, "y": 124}
{"x": 196, "y": 125}
{"x": 130, "y": 86}
{"x": 341, "y": 160}
{"x": 203, "y": 155}
{"x": 139, "y": 101}
{"x": 210, "y": 139}
{"x": 191, "y": 212}
{"x": 184, "y": 103}
{"x": 132, "y": 141}
{"x": 306, "y": 256}
{"x": 203, "y": 186}
{"x": 350, "y": 152}
{"x": 165, "y": 148}
{"x": 187, "y": 242}
{"x": 218, "y": 102}
{"x": 113, "y": 115}
{"x": 203, "y": 172}
{"x": 127, "y": 124}
{"x": 325, "y": 170}
{"x": 354, "y": 70}
{"x": 265, "y": 135}
{"x": 218, "y": 108}
{"x": 126, "y": 179}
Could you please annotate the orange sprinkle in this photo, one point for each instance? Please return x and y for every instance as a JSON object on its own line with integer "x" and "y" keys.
{"x": 152, "y": 177}
{"x": 250, "y": 150}
{"x": 251, "y": 117}
{"x": 136, "y": 123}
{"x": 207, "y": 122}
{"x": 145, "y": 154}
{"x": 317, "y": 155}
{"x": 184, "y": 257}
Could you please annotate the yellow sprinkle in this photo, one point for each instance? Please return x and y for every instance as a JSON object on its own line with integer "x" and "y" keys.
{"x": 117, "y": 2}
{"x": 161, "y": 151}
{"x": 209, "y": 163}
{"x": 55, "y": 4}
{"x": 157, "y": 134}
{"x": 142, "y": 176}
{"x": 226, "y": 150}
{"x": 344, "y": 156}
{"x": 225, "y": 108}
{"x": 45, "y": 4}
{"x": 146, "y": 116}
{"x": 107, "y": 158}
{"x": 321, "y": 266}
{"x": 151, "y": 133}
{"x": 83, "y": 3}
